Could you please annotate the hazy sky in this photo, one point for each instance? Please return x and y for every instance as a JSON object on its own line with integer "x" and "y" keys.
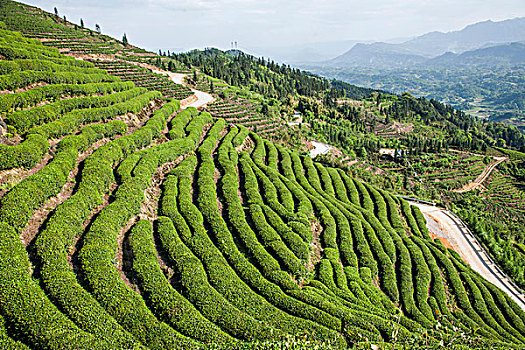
{"x": 186, "y": 24}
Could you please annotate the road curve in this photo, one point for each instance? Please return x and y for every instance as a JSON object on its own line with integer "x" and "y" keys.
{"x": 446, "y": 224}
{"x": 203, "y": 98}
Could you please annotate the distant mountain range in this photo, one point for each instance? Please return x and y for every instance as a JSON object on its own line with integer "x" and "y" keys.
{"x": 498, "y": 42}
{"x": 305, "y": 53}
{"x": 505, "y": 54}
{"x": 479, "y": 69}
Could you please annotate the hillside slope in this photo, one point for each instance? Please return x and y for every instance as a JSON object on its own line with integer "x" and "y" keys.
{"x": 132, "y": 224}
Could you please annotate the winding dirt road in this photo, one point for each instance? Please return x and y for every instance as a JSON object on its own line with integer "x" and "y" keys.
{"x": 201, "y": 98}
{"x": 448, "y": 226}
{"x": 482, "y": 177}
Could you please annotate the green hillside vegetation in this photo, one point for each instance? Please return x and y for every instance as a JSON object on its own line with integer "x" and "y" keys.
{"x": 114, "y": 56}
{"x": 58, "y": 32}
{"x": 127, "y": 222}
{"x": 345, "y": 113}
{"x": 430, "y": 135}
{"x": 494, "y": 92}
{"x": 264, "y": 76}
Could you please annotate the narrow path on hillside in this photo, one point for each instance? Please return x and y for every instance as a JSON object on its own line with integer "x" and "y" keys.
{"x": 202, "y": 98}
{"x": 482, "y": 177}
{"x": 449, "y": 228}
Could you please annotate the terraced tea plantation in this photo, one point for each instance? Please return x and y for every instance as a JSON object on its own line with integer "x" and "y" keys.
{"x": 505, "y": 190}
{"x": 105, "y": 52}
{"x": 450, "y": 172}
{"x": 144, "y": 77}
{"x": 129, "y": 224}
{"x": 67, "y": 37}
{"x": 243, "y": 112}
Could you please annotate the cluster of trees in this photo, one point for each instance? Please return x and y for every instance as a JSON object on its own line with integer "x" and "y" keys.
{"x": 265, "y": 76}
{"x": 318, "y": 100}
{"x": 461, "y": 130}
{"x": 500, "y": 230}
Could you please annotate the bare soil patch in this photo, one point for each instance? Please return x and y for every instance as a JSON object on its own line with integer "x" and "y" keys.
{"x": 188, "y": 101}
{"x": 149, "y": 208}
{"x": 315, "y": 254}
{"x": 125, "y": 255}
{"x": 247, "y": 144}
{"x": 16, "y": 175}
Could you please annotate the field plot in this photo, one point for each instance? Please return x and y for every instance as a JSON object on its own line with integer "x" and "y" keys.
{"x": 393, "y": 130}
{"x": 144, "y": 77}
{"x": 243, "y": 112}
{"x": 450, "y": 172}
{"x": 505, "y": 190}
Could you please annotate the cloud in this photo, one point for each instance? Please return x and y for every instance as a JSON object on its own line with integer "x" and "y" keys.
{"x": 185, "y": 5}
{"x": 260, "y": 11}
{"x": 199, "y": 23}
